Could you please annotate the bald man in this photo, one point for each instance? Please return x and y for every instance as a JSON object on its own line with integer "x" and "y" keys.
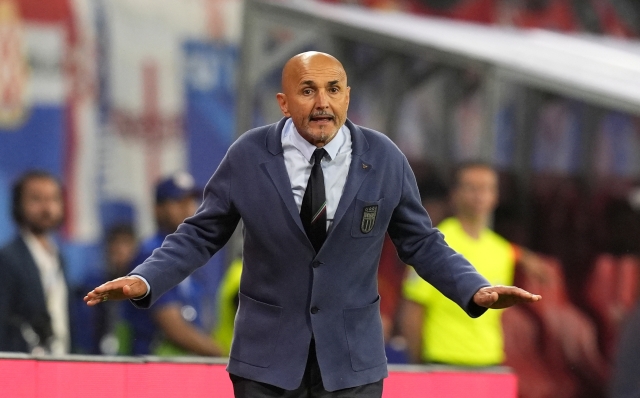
{"x": 316, "y": 194}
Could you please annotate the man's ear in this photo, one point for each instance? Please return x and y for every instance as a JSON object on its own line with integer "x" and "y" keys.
{"x": 348, "y": 96}
{"x": 282, "y": 101}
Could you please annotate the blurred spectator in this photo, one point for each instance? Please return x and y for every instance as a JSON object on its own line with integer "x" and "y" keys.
{"x": 626, "y": 371}
{"x": 437, "y": 331}
{"x": 228, "y": 302}
{"x": 121, "y": 247}
{"x": 545, "y": 14}
{"x": 34, "y": 305}
{"x": 609, "y": 17}
{"x": 483, "y": 11}
{"x": 173, "y": 326}
{"x": 435, "y": 197}
{"x": 391, "y": 271}
{"x": 114, "y": 333}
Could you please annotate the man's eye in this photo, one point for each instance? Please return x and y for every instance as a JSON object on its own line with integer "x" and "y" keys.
{"x": 334, "y": 89}
{"x": 307, "y": 91}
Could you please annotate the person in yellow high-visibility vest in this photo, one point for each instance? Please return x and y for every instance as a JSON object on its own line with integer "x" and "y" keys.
{"x": 436, "y": 330}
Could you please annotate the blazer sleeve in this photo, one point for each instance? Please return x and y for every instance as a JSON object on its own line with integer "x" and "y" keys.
{"x": 422, "y": 246}
{"x": 196, "y": 239}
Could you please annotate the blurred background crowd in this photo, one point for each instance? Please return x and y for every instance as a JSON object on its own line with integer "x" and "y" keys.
{"x": 114, "y": 114}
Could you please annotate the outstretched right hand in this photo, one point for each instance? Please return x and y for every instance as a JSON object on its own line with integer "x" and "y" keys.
{"x": 498, "y": 297}
{"x": 127, "y": 287}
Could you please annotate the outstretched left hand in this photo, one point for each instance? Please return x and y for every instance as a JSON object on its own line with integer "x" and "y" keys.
{"x": 497, "y": 297}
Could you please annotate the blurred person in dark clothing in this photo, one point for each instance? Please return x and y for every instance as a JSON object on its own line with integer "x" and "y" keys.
{"x": 434, "y": 194}
{"x": 391, "y": 271}
{"x": 626, "y": 372}
{"x": 112, "y": 332}
{"x": 121, "y": 247}
{"x": 173, "y": 325}
{"x": 34, "y": 309}
{"x": 623, "y": 240}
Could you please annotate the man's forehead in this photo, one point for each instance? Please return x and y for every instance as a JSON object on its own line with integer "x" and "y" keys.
{"x": 40, "y": 181}
{"x": 316, "y": 68}
{"x": 321, "y": 76}
{"x": 478, "y": 176}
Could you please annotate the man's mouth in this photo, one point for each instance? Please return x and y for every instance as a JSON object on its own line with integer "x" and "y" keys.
{"x": 325, "y": 117}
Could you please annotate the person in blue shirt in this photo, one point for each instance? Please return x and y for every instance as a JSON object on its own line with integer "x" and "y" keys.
{"x": 173, "y": 326}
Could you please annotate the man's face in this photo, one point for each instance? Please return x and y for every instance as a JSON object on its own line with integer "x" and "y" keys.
{"x": 316, "y": 96}
{"x": 171, "y": 213}
{"x": 476, "y": 194}
{"x": 42, "y": 205}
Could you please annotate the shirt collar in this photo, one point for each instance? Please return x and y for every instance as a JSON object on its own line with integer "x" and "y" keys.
{"x": 33, "y": 242}
{"x": 306, "y": 148}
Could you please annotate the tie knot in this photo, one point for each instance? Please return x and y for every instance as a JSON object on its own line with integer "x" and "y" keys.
{"x": 318, "y": 154}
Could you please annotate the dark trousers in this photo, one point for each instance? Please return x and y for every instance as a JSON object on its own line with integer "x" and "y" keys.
{"x": 311, "y": 386}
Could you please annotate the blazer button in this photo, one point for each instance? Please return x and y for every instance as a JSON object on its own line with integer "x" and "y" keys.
{"x": 315, "y": 264}
{"x": 314, "y": 310}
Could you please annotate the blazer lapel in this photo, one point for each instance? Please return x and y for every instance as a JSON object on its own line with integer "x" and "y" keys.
{"x": 278, "y": 172}
{"x": 358, "y": 171}
{"x": 32, "y": 273}
{"x": 29, "y": 264}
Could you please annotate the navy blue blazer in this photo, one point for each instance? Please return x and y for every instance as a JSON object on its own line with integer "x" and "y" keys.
{"x": 288, "y": 292}
{"x": 22, "y": 300}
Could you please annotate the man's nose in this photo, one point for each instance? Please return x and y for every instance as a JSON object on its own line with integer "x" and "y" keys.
{"x": 322, "y": 100}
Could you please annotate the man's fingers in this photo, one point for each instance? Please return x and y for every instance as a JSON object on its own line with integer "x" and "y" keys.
{"x": 117, "y": 289}
{"x": 92, "y": 302}
{"x": 498, "y": 297}
{"x": 92, "y": 298}
{"x": 115, "y": 284}
{"x": 516, "y": 292}
{"x": 524, "y": 295}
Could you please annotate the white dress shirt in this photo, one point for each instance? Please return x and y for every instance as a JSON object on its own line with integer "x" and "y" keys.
{"x": 298, "y": 155}
{"x": 55, "y": 290}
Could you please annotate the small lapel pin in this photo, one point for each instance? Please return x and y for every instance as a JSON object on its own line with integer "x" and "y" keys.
{"x": 364, "y": 166}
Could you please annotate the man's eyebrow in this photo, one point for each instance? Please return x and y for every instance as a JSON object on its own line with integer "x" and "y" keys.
{"x": 334, "y": 82}
{"x": 307, "y": 83}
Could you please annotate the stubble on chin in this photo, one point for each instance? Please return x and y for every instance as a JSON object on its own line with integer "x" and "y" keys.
{"x": 325, "y": 136}
{"x": 43, "y": 227}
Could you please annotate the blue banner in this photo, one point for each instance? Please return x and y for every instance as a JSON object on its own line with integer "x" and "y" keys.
{"x": 210, "y": 104}
{"x": 38, "y": 143}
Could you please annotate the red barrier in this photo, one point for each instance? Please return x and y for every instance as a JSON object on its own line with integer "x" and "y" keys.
{"x": 122, "y": 378}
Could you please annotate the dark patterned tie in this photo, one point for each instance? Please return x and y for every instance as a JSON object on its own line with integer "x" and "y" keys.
{"x": 314, "y": 204}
